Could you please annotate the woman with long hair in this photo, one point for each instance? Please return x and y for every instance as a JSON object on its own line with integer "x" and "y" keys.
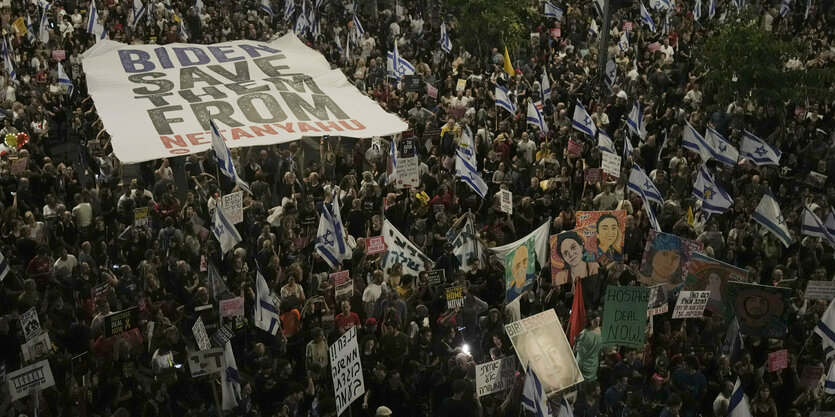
{"x": 579, "y": 264}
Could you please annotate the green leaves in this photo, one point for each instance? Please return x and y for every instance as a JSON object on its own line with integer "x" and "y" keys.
{"x": 485, "y": 24}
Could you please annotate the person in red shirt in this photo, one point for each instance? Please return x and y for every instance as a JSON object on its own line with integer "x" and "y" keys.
{"x": 346, "y": 320}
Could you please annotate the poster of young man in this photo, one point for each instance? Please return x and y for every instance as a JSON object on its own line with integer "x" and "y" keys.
{"x": 761, "y": 310}
{"x": 608, "y": 229}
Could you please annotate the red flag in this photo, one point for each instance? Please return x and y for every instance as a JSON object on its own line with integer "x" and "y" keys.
{"x": 577, "y": 321}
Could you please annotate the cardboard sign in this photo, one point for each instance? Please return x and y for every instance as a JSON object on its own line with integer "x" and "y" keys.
{"x": 374, "y": 245}
{"x": 206, "y": 362}
{"x": 691, "y": 304}
{"x": 233, "y": 206}
{"x": 820, "y": 290}
{"x": 37, "y": 376}
{"x": 233, "y": 307}
{"x": 100, "y": 290}
{"x": 506, "y": 201}
{"x": 141, "y": 217}
{"x": 30, "y": 323}
{"x": 574, "y": 148}
{"x": 339, "y": 278}
{"x": 625, "y": 316}
{"x": 455, "y": 297}
{"x": 19, "y": 26}
{"x": 495, "y": 376}
{"x": 657, "y": 300}
{"x": 346, "y": 369}
{"x": 461, "y": 85}
{"x": 59, "y": 54}
{"x": 407, "y": 174}
{"x": 778, "y": 360}
{"x": 437, "y": 276}
{"x": 610, "y": 164}
{"x": 19, "y": 166}
{"x": 594, "y": 175}
{"x": 221, "y": 336}
{"x": 38, "y": 348}
{"x": 811, "y": 376}
{"x": 345, "y": 291}
{"x": 431, "y": 91}
{"x": 121, "y": 321}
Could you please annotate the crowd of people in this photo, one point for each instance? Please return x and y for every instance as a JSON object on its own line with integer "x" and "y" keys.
{"x": 76, "y": 252}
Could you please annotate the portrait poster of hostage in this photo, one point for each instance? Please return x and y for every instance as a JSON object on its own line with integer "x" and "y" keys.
{"x": 540, "y": 341}
{"x": 760, "y": 309}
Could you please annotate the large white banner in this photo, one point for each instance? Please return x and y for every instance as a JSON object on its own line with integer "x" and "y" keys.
{"x": 25, "y": 380}
{"x": 346, "y": 370}
{"x": 157, "y": 101}
{"x": 401, "y": 250}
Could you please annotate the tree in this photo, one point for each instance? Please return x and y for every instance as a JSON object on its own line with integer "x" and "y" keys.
{"x": 484, "y": 24}
{"x": 743, "y": 60}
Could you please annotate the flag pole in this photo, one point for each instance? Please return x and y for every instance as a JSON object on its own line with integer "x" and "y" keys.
{"x": 603, "y": 55}
{"x": 217, "y": 400}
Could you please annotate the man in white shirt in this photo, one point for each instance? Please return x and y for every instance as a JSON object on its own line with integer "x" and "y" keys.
{"x": 64, "y": 266}
{"x": 526, "y": 147}
{"x": 693, "y": 97}
{"x": 375, "y": 289}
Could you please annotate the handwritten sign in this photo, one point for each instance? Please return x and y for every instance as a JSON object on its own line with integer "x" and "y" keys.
{"x": 19, "y": 166}
{"x": 374, "y": 245}
{"x": 811, "y": 376}
{"x": 455, "y": 297}
{"x": 594, "y": 175}
{"x": 233, "y": 307}
{"x": 610, "y": 164}
{"x": 121, "y": 321}
{"x": 340, "y": 277}
{"x": 346, "y": 369}
{"x": 778, "y": 360}
{"x": 407, "y": 173}
{"x": 820, "y": 290}
{"x": 495, "y": 376}
{"x": 691, "y": 304}
{"x": 625, "y": 316}
{"x": 574, "y": 148}
{"x": 556, "y": 32}
{"x": 233, "y": 206}
{"x": 506, "y": 201}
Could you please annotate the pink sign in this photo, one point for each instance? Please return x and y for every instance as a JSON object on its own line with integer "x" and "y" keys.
{"x": 374, "y": 245}
{"x": 59, "y": 54}
{"x": 339, "y": 278}
{"x": 431, "y": 91}
{"x": 556, "y": 32}
{"x": 233, "y": 307}
{"x": 574, "y": 148}
{"x": 811, "y": 376}
{"x": 594, "y": 174}
{"x": 778, "y": 360}
{"x": 654, "y": 46}
{"x": 627, "y": 26}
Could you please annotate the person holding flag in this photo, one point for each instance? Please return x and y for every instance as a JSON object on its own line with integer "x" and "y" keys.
{"x": 769, "y": 216}
{"x": 223, "y": 158}
{"x": 330, "y": 237}
{"x": 582, "y": 120}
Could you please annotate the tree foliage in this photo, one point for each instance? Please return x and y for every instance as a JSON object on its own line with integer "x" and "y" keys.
{"x": 743, "y": 60}
{"x": 485, "y": 24}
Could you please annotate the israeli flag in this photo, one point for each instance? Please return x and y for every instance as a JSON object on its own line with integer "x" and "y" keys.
{"x": 758, "y": 151}
{"x": 768, "y": 215}
{"x": 784, "y": 7}
{"x": 738, "y": 406}
{"x": 266, "y": 5}
{"x": 468, "y": 173}
{"x": 733, "y": 341}
{"x": 711, "y": 9}
{"x": 598, "y": 5}
{"x": 230, "y": 380}
{"x": 635, "y": 120}
{"x": 289, "y": 9}
{"x": 829, "y": 384}
{"x": 534, "y": 397}
{"x": 465, "y": 246}
{"x": 7, "y": 62}
{"x": 739, "y": 3}
{"x": 94, "y": 27}
{"x": 582, "y": 121}
{"x": 199, "y": 5}
{"x": 183, "y": 31}
{"x": 692, "y": 140}
{"x": 301, "y": 26}
{"x": 623, "y": 43}
{"x": 467, "y": 146}
{"x": 225, "y": 232}
{"x": 640, "y": 184}
{"x": 723, "y": 151}
{"x": 665, "y": 28}
{"x": 628, "y": 149}
{"x": 697, "y": 10}
{"x": 315, "y": 27}
{"x": 503, "y": 99}
{"x": 714, "y": 199}
{"x": 812, "y": 225}
{"x": 30, "y": 29}
{"x": 647, "y": 18}
{"x": 545, "y": 85}
{"x": 446, "y": 43}
{"x": 808, "y": 9}
{"x": 338, "y": 44}
{"x": 4, "y": 267}
{"x": 267, "y": 316}
{"x": 653, "y": 220}
{"x": 594, "y": 30}
{"x": 552, "y": 11}
{"x": 826, "y": 330}
{"x": 397, "y": 65}
{"x": 43, "y": 29}
{"x": 611, "y": 73}
{"x": 605, "y": 143}
{"x": 830, "y": 221}
{"x": 330, "y": 238}
{"x": 565, "y": 408}
{"x": 64, "y": 80}
{"x": 535, "y": 118}
{"x": 223, "y": 158}
{"x": 137, "y": 11}
{"x": 662, "y": 5}
{"x": 357, "y": 25}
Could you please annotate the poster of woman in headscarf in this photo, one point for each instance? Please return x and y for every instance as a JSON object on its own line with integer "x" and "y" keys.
{"x": 666, "y": 259}
{"x": 609, "y": 228}
{"x": 761, "y": 310}
{"x": 708, "y": 274}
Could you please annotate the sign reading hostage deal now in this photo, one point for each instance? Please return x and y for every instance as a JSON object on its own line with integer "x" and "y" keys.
{"x": 625, "y": 316}
{"x": 157, "y": 101}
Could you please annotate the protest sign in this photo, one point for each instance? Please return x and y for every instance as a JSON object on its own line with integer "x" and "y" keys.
{"x": 627, "y": 26}
{"x": 610, "y": 163}
{"x": 407, "y": 173}
{"x": 231, "y": 307}
{"x": 37, "y": 376}
{"x": 556, "y": 32}
{"x": 461, "y": 85}
{"x": 431, "y": 91}
{"x": 593, "y": 175}
{"x": 495, "y": 376}
{"x": 374, "y": 245}
{"x": 344, "y": 291}
{"x": 346, "y": 370}
{"x": 520, "y": 269}
{"x": 506, "y": 201}
{"x": 707, "y": 274}
{"x": 221, "y": 336}
{"x": 691, "y": 304}
{"x": 454, "y": 297}
{"x": 657, "y": 300}
{"x": 654, "y": 46}
{"x": 603, "y": 233}
{"x": 340, "y": 277}
{"x": 19, "y": 166}
{"x": 206, "y": 362}
{"x": 30, "y": 323}
{"x": 625, "y": 316}
{"x": 141, "y": 217}
{"x": 233, "y": 206}
{"x": 674, "y": 254}
{"x": 38, "y": 348}
{"x": 267, "y": 93}
{"x": 436, "y": 276}
{"x": 402, "y": 250}
{"x": 59, "y": 54}
{"x": 820, "y": 290}
{"x": 101, "y": 289}
{"x": 811, "y": 376}
{"x": 19, "y": 26}
{"x": 574, "y": 148}
{"x": 778, "y": 360}
{"x": 540, "y": 341}
{"x": 121, "y": 321}
{"x": 762, "y": 310}
{"x": 412, "y": 82}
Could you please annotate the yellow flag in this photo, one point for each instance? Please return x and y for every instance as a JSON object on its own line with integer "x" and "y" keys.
{"x": 508, "y": 67}
{"x": 176, "y": 18}
{"x": 690, "y": 219}
{"x": 20, "y": 26}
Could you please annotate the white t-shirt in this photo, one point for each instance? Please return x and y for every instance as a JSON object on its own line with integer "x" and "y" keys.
{"x": 64, "y": 268}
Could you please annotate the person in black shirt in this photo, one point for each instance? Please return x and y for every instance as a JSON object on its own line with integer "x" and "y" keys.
{"x": 457, "y": 405}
